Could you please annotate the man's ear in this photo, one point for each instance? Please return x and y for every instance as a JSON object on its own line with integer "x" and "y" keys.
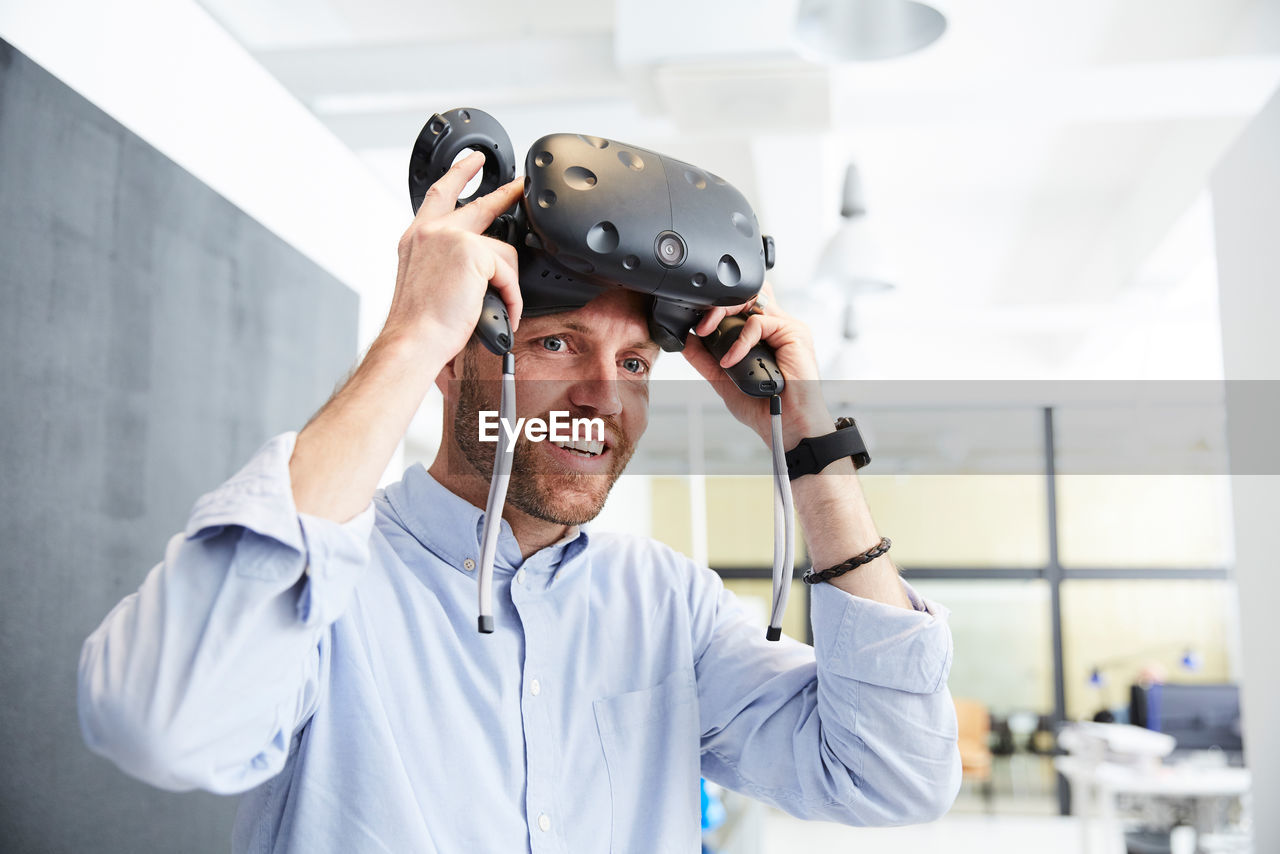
{"x": 449, "y": 374}
{"x": 453, "y": 369}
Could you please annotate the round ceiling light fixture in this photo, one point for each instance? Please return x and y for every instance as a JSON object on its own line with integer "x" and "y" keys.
{"x": 861, "y": 30}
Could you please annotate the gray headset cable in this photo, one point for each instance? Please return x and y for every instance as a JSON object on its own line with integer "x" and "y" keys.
{"x": 784, "y": 526}
{"x": 497, "y": 494}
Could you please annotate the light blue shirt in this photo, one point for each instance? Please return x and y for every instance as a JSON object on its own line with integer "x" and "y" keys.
{"x": 334, "y": 674}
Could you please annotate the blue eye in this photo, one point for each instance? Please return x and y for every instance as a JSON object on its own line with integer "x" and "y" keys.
{"x": 634, "y": 365}
{"x": 553, "y": 343}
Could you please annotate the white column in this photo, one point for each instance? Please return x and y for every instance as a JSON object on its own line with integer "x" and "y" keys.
{"x": 1246, "y": 199}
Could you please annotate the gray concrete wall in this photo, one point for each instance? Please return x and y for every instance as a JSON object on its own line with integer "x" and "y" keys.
{"x": 1246, "y": 201}
{"x": 152, "y": 336}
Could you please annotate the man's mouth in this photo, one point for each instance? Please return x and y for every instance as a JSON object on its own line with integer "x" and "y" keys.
{"x": 583, "y": 447}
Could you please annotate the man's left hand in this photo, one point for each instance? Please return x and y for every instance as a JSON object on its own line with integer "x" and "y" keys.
{"x": 804, "y": 413}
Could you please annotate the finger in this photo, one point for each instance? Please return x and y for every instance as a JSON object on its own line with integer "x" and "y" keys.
{"x": 506, "y": 281}
{"x": 697, "y": 354}
{"x": 757, "y": 326}
{"x": 506, "y": 250}
{"x": 508, "y": 254}
{"x": 710, "y": 320}
{"x": 748, "y": 306}
{"x": 478, "y": 215}
{"x": 442, "y": 196}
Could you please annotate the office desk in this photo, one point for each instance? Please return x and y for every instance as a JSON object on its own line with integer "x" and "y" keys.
{"x": 1096, "y": 787}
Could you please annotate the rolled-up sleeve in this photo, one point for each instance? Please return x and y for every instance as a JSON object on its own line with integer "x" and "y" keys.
{"x": 883, "y": 699}
{"x": 859, "y": 729}
{"x": 200, "y": 678}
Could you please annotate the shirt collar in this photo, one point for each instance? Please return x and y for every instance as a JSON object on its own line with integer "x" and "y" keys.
{"x": 450, "y": 527}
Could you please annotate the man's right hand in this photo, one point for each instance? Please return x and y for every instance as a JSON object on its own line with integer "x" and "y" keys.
{"x": 446, "y": 263}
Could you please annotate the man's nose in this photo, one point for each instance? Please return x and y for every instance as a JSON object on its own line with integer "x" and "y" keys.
{"x": 598, "y": 390}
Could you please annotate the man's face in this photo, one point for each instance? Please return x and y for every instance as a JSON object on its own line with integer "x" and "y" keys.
{"x": 592, "y": 363}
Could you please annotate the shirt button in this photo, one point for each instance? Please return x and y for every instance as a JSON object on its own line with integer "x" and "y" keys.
{"x": 468, "y": 564}
{"x": 519, "y": 576}
{"x": 544, "y": 822}
{"x": 535, "y": 688}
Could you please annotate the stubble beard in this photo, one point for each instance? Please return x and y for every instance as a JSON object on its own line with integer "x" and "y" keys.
{"x": 535, "y": 488}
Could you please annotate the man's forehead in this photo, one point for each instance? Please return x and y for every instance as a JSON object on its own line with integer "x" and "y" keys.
{"x": 621, "y": 313}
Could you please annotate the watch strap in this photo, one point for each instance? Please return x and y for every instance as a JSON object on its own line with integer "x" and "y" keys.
{"x": 814, "y": 454}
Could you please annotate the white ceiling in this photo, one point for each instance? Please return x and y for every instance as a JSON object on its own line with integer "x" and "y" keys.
{"x": 1025, "y": 173}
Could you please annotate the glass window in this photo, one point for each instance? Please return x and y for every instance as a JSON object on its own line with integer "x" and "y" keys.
{"x": 964, "y": 439}
{"x": 1170, "y": 427}
{"x": 1003, "y": 667}
{"x": 1173, "y": 631}
{"x": 757, "y": 595}
{"x": 1171, "y": 521}
{"x": 672, "y": 514}
{"x": 740, "y": 522}
{"x": 739, "y": 512}
{"x": 1003, "y": 652}
{"x": 947, "y": 521}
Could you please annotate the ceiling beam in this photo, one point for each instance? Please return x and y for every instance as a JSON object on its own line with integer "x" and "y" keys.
{"x": 356, "y": 79}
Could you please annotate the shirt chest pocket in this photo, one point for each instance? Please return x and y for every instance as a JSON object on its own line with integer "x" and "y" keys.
{"x": 651, "y": 748}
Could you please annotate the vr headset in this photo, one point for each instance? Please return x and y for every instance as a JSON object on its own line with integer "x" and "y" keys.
{"x": 599, "y": 214}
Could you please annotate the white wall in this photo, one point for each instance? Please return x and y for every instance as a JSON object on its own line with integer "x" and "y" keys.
{"x": 1246, "y": 199}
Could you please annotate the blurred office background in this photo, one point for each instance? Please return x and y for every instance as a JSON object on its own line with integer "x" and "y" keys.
{"x": 1036, "y": 242}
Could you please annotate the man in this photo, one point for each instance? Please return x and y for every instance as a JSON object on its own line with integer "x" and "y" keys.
{"x": 313, "y": 644}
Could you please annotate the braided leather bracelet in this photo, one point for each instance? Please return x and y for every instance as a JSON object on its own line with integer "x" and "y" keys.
{"x": 811, "y": 577}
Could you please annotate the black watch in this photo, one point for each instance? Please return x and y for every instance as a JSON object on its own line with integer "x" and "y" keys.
{"x": 813, "y": 455}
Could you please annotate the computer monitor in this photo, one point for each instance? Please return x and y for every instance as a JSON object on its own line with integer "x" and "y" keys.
{"x": 1199, "y": 717}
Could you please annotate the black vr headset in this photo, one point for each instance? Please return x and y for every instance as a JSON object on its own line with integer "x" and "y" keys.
{"x": 599, "y": 214}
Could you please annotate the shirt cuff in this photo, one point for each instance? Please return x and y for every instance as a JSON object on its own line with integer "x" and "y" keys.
{"x": 259, "y": 499}
{"x": 882, "y": 644}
